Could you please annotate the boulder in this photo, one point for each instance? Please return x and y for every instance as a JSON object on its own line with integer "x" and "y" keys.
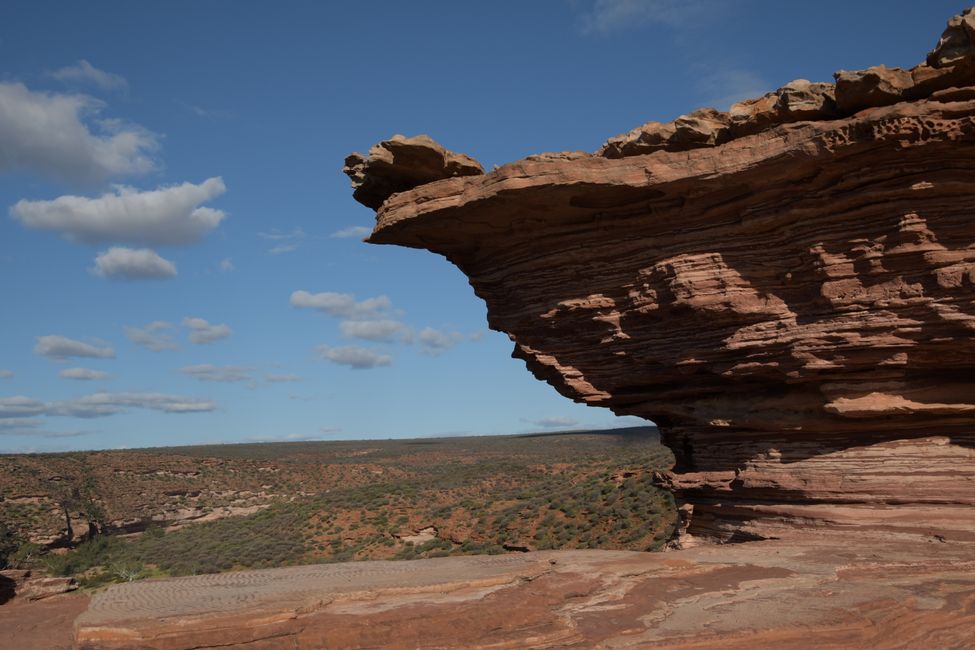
{"x": 876, "y": 86}
{"x": 957, "y": 42}
{"x": 402, "y": 163}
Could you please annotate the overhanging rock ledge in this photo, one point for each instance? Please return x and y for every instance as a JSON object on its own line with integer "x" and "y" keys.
{"x": 787, "y": 289}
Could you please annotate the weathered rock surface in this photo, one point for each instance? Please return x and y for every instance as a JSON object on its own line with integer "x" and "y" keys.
{"x": 25, "y": 585}
{"x": 402, "y": 163}
{"x": 769, "y": 594}
{"x": 788, "y": 290}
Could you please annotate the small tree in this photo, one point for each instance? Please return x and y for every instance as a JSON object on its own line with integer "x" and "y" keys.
{"x": 76, "y": 494}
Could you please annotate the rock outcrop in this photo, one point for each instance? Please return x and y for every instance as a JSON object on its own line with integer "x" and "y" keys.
{"x": 24, "y": 584}
{"x": 787, "y": 289}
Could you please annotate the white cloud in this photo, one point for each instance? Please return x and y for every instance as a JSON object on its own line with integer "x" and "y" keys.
{"x": 354, "y": 357}
{"x": 46, "y": 133}
{"x": 226, "y": 265}
{"x": 209, "y": 372}
{"x": 149, "y": 338}
{"x": 150, "y": 401}
{"x": 17, "y": 423}
{"x": 210, "y": 113}
{"x": 434, "y": 341}
{"x": 341, "y": 305}
{"x": 351, "y": 231}
{"x": 102, "y": 404}
{"x": 368, "y": 320}
{"x": 106, "y": 403}
{"x": 384, "y": 330}
{"x": 6, "y": 374}
{"x": 120, "y": 263}
{"x": 287, "y": 241}
{"x": 86, "y": 73}
{"x": 31, "y": 427}
{"x": 84, "y": 374}
{"x": 277, "y": 235}
{"x": 553, "y": 422}
{"x": 291, "y": 437}
{"x": 61, "y": 347}
{"x": 165, "y": 216}
{"x": 203, "y": 332}
{"x": 721, "y": 86}
{"x": 277, "y": 379}
{"x": 89, "y": 406}
{"x": 20, "y": 406}
{"x": 308, "y": 398}
{"x": 608, "y": 16}
{"x": 282, "y": 248}
{"x": 41, "y": 433}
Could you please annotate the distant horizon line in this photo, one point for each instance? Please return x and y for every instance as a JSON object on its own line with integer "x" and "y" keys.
{"x": 523, "y": 434}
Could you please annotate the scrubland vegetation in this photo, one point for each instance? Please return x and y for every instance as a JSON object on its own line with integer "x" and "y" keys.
{"x": 343, "y": 501}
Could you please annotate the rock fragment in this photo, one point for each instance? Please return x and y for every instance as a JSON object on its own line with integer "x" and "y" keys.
{"x": 957, "y": 42}
{"x": 402, "y": 163}
{"x": 876, "y": 86}
{"x": 794, "y": 102}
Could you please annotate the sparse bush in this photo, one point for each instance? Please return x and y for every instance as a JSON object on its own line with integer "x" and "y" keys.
{"x": 509, "y": 494}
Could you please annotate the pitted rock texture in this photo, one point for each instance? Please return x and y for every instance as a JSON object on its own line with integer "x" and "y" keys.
{"x": 788, "y": 290}
{"x": 773, "y": 594}
{"x": 402, "y": 163}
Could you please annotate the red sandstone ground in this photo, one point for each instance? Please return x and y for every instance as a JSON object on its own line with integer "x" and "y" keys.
{"x": 41, "y": 625}
{"x": 817, "y": 594}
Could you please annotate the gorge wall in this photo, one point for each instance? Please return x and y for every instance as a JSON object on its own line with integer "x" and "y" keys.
{"x": 787, "y": 289}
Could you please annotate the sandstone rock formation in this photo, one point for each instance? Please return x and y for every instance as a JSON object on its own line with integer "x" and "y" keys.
{"x": 787, "y": 289}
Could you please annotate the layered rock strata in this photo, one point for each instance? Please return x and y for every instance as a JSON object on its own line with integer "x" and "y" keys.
{"x": 787, "y": 289}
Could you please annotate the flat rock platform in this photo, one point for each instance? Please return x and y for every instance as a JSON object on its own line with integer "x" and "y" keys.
{"x": 863, "y": 593}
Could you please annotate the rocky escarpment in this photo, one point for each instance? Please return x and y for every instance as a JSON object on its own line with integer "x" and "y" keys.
{"x": 787, "y": 289}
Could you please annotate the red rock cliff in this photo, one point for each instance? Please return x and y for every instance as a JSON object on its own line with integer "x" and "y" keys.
{"x": 787, "y": 289}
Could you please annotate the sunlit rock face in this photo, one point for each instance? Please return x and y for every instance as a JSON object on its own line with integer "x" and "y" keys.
{"x": 787, "y": 289}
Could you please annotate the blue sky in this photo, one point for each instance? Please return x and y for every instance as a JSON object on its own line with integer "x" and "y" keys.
{"x": 180, "y": 256}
